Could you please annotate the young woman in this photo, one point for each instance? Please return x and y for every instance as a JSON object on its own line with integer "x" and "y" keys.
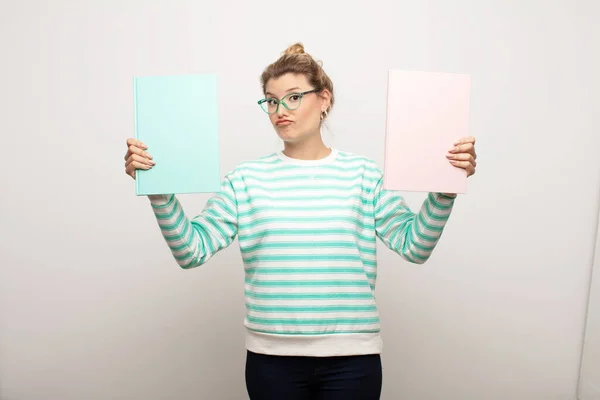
{"x": 306, "y": 219}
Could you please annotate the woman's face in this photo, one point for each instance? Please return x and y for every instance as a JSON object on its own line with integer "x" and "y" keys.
{"x": 295, "y": 125}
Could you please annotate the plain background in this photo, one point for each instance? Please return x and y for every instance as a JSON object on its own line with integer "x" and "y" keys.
{"x": 92, "y": 305}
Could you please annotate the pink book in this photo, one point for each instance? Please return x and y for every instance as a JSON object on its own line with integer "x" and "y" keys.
{"x": 426, "y": 113}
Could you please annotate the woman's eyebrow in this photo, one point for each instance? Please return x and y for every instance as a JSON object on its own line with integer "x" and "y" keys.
{"x": 287, "y": 91}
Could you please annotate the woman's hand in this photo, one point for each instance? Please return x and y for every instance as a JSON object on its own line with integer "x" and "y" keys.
{"x": 463, "y": 155}
{"x": 137, "y": 157}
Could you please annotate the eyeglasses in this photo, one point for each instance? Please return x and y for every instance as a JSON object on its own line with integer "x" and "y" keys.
{"x": 290, "y": 101}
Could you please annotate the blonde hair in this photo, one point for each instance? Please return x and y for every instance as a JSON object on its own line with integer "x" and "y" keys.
{"x": 296, "y": 61}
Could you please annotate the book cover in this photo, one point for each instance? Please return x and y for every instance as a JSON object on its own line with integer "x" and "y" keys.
{"x": 176, "y": 117}
{"x": 426, "y": 113}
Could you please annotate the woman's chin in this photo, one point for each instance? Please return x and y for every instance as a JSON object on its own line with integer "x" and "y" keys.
{"x": 288, "y": 135}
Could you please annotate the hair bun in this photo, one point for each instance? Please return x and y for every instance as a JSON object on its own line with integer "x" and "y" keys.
{"x": 296, "y": 48}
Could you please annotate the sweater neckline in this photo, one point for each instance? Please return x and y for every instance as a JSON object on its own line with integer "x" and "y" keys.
{"x": 325, "y": 160}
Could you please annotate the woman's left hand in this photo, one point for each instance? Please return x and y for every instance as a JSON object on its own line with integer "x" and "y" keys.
{"x": 463, "y": 155}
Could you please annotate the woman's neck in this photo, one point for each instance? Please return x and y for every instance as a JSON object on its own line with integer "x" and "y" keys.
{"x": 313, "y": 149}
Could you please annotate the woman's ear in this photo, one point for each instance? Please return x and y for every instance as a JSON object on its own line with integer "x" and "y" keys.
{"x": 326, "y": 98}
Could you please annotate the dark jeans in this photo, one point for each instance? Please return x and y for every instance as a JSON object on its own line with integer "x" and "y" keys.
{"x": 319, "y": 378}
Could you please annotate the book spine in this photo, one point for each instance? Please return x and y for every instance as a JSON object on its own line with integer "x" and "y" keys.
{"x": 135, "y": 129}
{"x": 386, "y": 155}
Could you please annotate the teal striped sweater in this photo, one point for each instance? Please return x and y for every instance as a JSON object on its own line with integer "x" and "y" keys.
{"x": 307, "y": 232}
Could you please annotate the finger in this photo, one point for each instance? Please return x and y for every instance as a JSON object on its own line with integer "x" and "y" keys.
{"x": 466, "y": 139}
{"x": 463, "y": 148}
{"x": 136, "y": 165}
{"x": 131, "y": 173}
{"x": 139, "y": 151}
{"x": 461, "y": 164}
{"x": 135, "y": 142}
{"x": 461, "y": 157}
{"x": 467, "y": 166}
{"x": 470, "y": 170}
{"x": 140, "y": 159}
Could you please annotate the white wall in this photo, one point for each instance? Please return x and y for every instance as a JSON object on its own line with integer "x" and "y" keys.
{"x": 93, "y": 307}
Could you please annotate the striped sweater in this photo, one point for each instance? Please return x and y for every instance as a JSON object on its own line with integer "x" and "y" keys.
{"x": 307, "y": 233}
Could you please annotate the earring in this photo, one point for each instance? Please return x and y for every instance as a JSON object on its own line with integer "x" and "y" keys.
{"x": 323, "y": 115}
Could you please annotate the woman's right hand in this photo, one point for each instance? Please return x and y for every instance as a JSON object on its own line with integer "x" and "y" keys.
{"x": 137, "y": 157}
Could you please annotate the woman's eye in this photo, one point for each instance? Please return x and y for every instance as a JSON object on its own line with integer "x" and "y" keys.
{"x": 294, "y": 97}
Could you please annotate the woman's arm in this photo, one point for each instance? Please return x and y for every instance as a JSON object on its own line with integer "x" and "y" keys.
{"x": 412, "y": 235}
{"x": 193, "y": 242}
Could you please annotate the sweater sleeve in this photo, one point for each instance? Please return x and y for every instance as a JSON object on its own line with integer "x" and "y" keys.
{"x": 412, "y": 235}
{"x": 194, "y": 241}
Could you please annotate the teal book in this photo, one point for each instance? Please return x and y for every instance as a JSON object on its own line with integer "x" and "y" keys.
{"x": 176, "y": 117}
